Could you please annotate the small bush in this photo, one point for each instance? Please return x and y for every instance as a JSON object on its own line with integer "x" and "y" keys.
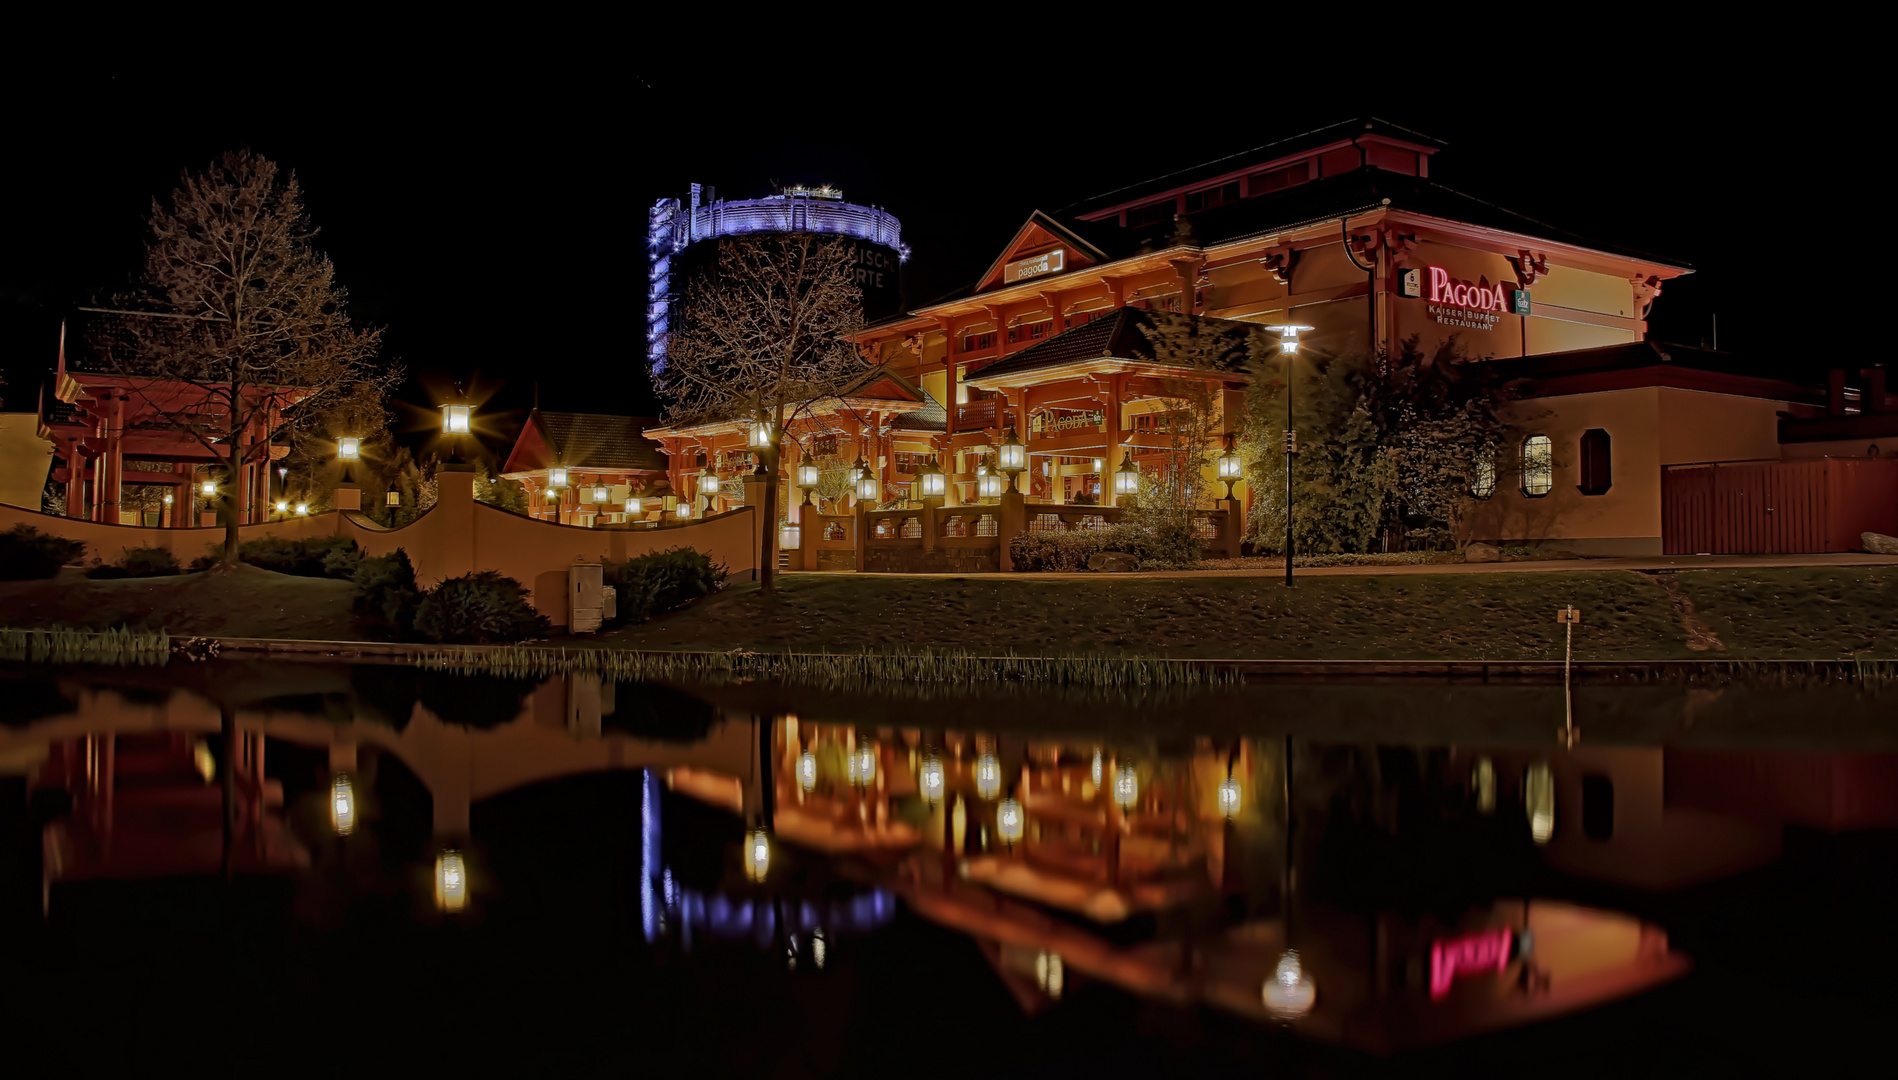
{"x": 1066, "y": 552}
{"x": 386, "y": 591}
{"x": 138, "y": 562}
{"x": 476, "y": 609}
{"x": 27, "y": 553}
{"x": 309, "y": 557}
{"x": 213, "y": 554}
{"x": 660, "y": 582}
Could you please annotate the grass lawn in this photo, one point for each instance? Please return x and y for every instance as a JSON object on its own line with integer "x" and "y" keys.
{"x": 243, "y": 601}
{"x": 1810, "y": 611}
{"x": 1420, "y": 617}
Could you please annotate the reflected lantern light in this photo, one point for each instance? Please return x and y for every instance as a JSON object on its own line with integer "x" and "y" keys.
{"x": 1289, "y": 993}
{"x": 929, "y": 779}
{"x": 988, "y": 776}
{"x": 1009, "y": 821}
{"x": 635, "y": 504}
{"x": 601, "y": 493}
{"x": 862, "y": 765}
{"x": 1126, "y": 787}
{"x": 757, "y": 854}
{"x": 1229, "y": 797}
{"x": 557, "y": 476}
{"x": 451, "y": 881}
{"x": 343, "y": 804}
{"x": 807, "y": 770}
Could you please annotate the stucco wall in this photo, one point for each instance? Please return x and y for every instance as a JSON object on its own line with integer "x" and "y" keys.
{"x": 1625, "y": 520}
{"x": 25, "y": 459}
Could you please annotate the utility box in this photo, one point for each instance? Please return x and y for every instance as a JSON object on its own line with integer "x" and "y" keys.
{"x": 609, "y": 603}
{"x": 584, "y": 585}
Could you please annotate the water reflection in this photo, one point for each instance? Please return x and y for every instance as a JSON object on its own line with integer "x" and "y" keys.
{"x": 1379, "y": 894}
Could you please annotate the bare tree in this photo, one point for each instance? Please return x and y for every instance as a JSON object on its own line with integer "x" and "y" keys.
{"x": 769, "y": 336}
{"x": 258, "y": 339}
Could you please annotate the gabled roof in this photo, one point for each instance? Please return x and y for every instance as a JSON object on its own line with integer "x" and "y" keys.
{"x": 586, "y": 441}
{"x": 883, "y": 383}
{"x": 1120, "y": 336}
{"x": 1029, "y": 236}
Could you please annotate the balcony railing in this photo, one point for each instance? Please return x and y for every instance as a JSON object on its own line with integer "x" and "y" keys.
{"x": 976, "y": 414}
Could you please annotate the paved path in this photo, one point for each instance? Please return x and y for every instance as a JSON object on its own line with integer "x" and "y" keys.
{"x": 1647, "y": 563}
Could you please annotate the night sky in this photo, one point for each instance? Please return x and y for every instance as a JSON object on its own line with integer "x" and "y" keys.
{"x": 491, "y": 214}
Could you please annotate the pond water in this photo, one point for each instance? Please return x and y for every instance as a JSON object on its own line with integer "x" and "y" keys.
{"x": 304, "y": 869}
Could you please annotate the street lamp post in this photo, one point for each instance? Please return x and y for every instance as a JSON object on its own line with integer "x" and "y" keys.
{"x": 1288, "y": 347}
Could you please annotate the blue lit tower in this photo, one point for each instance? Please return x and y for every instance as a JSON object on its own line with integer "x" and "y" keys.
{"x": 672, "y": 230}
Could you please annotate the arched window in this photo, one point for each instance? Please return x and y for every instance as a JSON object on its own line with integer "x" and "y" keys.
{"x": 1538, "y": 466}
{"x": 1483, "y": 478}
{"x": 1597, "y": 463}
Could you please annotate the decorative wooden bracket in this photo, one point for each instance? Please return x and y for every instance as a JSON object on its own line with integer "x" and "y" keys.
{"x": 1646, "y": 291}
{"x": 1401, "y": 246}
{"x": 1278, "y": 261}
{"x": 914, "y": 344}
{"x": 1529, "y": 266}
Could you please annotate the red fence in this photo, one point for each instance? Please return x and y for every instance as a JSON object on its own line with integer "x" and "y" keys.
{"x": 1778, "y": 508}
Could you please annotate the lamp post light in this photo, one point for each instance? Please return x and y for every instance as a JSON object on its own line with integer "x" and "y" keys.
{"x": 349, "y": 448}
{"x": 808, "y": 476}
{"x": 860, "y": 470}
{"x": 1231, "y": 468}
{"x": 208, "y": 489}
{"x": 303, "y": 509}
{"x": 933, "y": 484}
{"x": 1127, "y": 477}
{"x": 869, "y": 489}
{"x": 1288, "y": 347}
{"x": 708, "y": 485}
{"x": 392, "y": 500}
{"x": 1012, "y": 456}
{"x": 457, "y": 420}
{"x": 990, "y": 485}
{"x": 759, "y": 439}
{"x": 283, "y": 506}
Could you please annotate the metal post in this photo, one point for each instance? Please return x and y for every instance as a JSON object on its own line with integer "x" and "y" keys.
{"x": 1291, "y": 451}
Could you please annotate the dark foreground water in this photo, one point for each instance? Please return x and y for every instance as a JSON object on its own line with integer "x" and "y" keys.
{"x": 297, "y": 869}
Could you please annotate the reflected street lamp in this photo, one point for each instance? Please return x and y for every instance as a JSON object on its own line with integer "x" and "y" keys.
{"x": 1288, "y": 347}
{"x": 757, "y": 854}
{"x": 807, "y": 770}
{"x": 451, "y": 881}
{"x": 1009, "y": 821}
{"x": 1126, "y": 787}
{"x": 929, "y": 779}
{"x": 343, "y": 804}
{"x": 1289, "y": 993}
{"x": 988, "y": 776}
{"x": 1229, "y": 797}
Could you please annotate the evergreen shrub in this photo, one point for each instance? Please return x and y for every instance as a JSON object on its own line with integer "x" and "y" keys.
{"x": 27, "y": 553}
{"x": 308, "y": 557}
{"x": 386, "y": 590}
{"x": 139, "y": 562}
{"x": 478, "y": 609}
{"x": 663, "y": 581}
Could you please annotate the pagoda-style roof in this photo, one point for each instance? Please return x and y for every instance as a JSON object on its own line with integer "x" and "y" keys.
{"x": 600, "y": 441}
{"x": 1120, "y": 339}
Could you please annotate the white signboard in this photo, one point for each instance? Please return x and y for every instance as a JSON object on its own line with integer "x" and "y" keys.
{"x": 1048, "y": 262}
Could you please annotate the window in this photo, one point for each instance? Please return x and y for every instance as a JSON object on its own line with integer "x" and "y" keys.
{"x": 1538, "y": 466}
{"x": 1598, "y": 807}
{"x": 1597, "y": 462}
{"x": 1153, "y": 212}
{"x": 824, "y": 445}
{"x": 1483, "y": 482}
{"x": 1275, "y": 179}
{"x": 911, "y": 462}
{"x": 1211, "y": 197}
{"x": 977, "y": 342}
{"x": 1034, "y": 331}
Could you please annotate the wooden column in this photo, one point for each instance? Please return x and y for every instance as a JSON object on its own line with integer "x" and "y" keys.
{"x": 114, "y": 478}
{"x": 1110, "y": 407}
{"x": 75, "y": 480}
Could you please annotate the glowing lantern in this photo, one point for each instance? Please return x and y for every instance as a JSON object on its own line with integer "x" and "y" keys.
{"x": 283, "y": 506}
{"x": 934, "y": 483}
{"x": 1288, "y": 336}
{"x": 862, "y": 766}
{"x": 1099, "y": 464}
{"x": 635, "y": 504}
{"x": 1127, "y": 477}
{"x": 167, "y": 498}
{"x": 1231, "y": 467}
{"x": 343, "y": 804}
{"x": 1095, "y": 771}
{"x": 807, "y": 770}
{"x": 393, "y": 498}
{"x": 988, "y": 776}
{"x": 348, "y": 448}
{"x": 1289, "y": 993}
{"x": 757, "y": 854}
{"x": 869, "y": 489}
{"x": 990, "y": 485}
{"x": 808, "y": 475}
{"x": 208, "y": 488}
{"x": 1484, "y": 780}
{"x": 1229, "y": 797}
{"x": 789, "y": 537}
{"x": 1126, "y": 787}
{"x": 668, "y": 504}
{"x": 1012, "y": 456}
{"x": 929, "y": 779}
{"x": 760, "y": 436}
{"x": 1009, "y": 820}
{"x": 455, "y": 418}
{"x": 708, "y": 485}
{"x": 303, "y": 508}
{"x": 557, "y": 476}
{"x": 601, "y": 493}
{"x": 451, "y": 881}
{"x": 1049, "y": 973}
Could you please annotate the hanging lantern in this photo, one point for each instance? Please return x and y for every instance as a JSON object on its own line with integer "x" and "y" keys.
{"x": 808, "y": 475}
{"x": 869, "y": 489}
{"x": 1012, "y": 456}
{"x": 757, "y": 854}
{"x": 393, "y": 498}
{"x": 988, "y": 776}
{"x": 789, "y": 537}
{"x": 760, "y": 437}
{"x": 601, "y": 493}
{"x": 635, "y": 504}
{"x": 1230, "y": 466}
{"x": 1289, "y": 993}
{"x": 348, "y": 448}
{"x": 451, "y": 881}
{"x": 1126, "y": 787}
{"x": 929, "y": 779}
{"x": 455, "y": 418}
{"x": 807, "y": 770}
{"x": 557, "y": 476}
{"x": 862, "y": 765}
{"x": 1229, "y": 797}
{"x": 932, "y": 481}
{"x": 1009, "y": 821}
{"x": 1127, "y": 477}
{"x": 343, "y": 804}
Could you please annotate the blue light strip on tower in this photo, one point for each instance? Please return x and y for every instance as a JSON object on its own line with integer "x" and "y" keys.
{"x": 671, "y": 229}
